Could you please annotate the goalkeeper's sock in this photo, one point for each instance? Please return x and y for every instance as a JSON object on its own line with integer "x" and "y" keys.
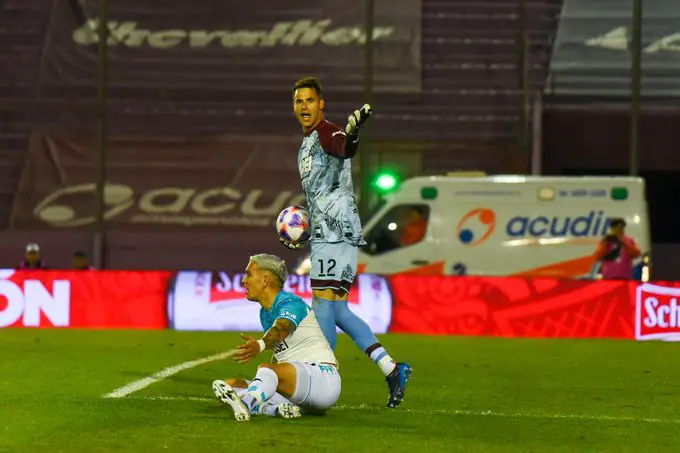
{"x": 380, "y": 356}
{"x": 261, "y": 388}
{"x": 362, "y": 335}
{"x": 353, "y": 325}
{"x": 325, "y": 316}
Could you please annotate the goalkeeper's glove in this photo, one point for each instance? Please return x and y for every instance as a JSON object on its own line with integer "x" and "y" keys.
{"x": 357, "y": 119}
{"x": 291, "y": 245}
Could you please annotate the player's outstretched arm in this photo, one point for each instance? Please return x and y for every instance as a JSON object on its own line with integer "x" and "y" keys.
{"x": 281, "y": 329}
{"x": 345, "y": 143}
{"x": 357, "y": 119}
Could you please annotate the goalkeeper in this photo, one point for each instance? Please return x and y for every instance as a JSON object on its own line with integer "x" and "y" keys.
{"x": 326, "y": 173}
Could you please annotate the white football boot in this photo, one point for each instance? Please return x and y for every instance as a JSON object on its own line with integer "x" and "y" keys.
{"x": 288, "y": 410}
{"x": 226, "y": 394}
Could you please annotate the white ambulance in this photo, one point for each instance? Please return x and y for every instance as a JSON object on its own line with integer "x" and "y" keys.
{"x": 502, "y": 225}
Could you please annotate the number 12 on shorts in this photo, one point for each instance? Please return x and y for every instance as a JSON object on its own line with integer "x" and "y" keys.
{"x": 330, "y": 265}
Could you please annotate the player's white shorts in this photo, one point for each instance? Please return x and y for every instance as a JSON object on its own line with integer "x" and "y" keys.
{"x": 334, "y": 265}
{"x": 318, "y": 386}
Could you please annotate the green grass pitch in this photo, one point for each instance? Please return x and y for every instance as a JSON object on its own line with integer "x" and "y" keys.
{"x": 466, "y": 395}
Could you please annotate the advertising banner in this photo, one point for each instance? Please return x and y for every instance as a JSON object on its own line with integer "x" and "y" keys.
{"x": 235, "y": 46}
{"x": 199, "y": 204}
{"x": 83, "y": 299}
{"x": 217, "y": 301}
{"x": 438, "y": 305}
{"x": 535, "y": 307}
{"x": 513, "y": 307}
{"x": 219, "y": 184}
{"x": 657, "y": 314}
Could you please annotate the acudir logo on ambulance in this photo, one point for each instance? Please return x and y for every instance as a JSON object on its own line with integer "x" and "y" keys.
{"x": 592, "y": 224}
{"x": 477, "y": 226}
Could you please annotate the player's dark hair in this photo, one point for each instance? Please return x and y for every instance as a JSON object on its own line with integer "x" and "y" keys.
{"x": 308, "y": 82}
{"x": 80, "y": 254}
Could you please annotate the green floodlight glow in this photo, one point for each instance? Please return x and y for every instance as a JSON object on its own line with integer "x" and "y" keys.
{"x": 386, "y": 182}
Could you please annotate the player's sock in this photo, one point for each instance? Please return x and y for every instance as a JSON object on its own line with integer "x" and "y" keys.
{"x": 261, "y": 388}
{"x": 268, "y": 409}
{"x": 380, "y": 356}
{"x": 325, "y": 316}
{"x": 353, "y": 325}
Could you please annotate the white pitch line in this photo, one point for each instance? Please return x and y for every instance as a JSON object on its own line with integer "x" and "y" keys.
{"x": 135, "y": 386}
{"x": 366, "y": 407}
{"x": 165, "y": 373}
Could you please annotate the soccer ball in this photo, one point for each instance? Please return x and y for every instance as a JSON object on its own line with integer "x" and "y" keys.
{"x": 293, "y": 224}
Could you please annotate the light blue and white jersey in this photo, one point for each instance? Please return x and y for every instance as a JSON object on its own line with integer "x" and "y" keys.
{"x": 326, "y": 172}
{"x": 307, "y": 343}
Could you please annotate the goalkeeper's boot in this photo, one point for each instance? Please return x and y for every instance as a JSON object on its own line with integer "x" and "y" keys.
{"x": 226, "y": 394}
{"x": 396, "y": 381}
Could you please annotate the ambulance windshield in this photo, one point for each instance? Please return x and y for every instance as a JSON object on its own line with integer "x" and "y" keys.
{"x": 402, "y": 226}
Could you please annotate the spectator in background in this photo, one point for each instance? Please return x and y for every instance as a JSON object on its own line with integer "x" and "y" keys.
{"x": 616, "y": 252}
{"x": 80, "y": 262}
{"x": 414, "y": 231}
{"x": 32, "y": 260}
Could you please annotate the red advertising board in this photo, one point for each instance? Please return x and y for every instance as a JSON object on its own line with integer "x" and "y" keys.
{"x": 90, "y": 299}
{"x": 440, "y": 305}
{"x": 535, "y": 307}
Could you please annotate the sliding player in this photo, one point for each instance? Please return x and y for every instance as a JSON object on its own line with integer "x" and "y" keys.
{"x": 325, "y": 169}
{"x": 303, "y": 377}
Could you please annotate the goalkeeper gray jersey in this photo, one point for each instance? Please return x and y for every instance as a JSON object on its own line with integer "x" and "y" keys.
{"x": 326, "y": 172}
